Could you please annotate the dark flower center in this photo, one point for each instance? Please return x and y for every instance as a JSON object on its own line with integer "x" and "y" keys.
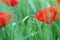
{"x": 51, "y": 15}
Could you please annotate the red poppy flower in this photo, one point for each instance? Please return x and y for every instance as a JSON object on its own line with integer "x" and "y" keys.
{"x": 11, "y": 2}
{"x": 58, "y": 1}
{"x": 47, "y": 15}
{"x": 5, "y": 19}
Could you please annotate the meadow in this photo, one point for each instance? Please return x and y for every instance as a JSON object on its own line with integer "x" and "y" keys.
{"x": 24, "y": 26}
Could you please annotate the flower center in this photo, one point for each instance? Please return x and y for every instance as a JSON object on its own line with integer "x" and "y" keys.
{"x": 51, "y": 15}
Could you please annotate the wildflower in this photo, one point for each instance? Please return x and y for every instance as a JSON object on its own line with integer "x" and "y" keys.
{"x": 10, "y": 2}
{"x": 58, "y": 1}
{"x": 5, "y": 19}
{"x": 47, "y": 15}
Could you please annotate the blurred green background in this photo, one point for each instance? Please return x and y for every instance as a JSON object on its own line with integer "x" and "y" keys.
{"x": 24, "y": 25}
